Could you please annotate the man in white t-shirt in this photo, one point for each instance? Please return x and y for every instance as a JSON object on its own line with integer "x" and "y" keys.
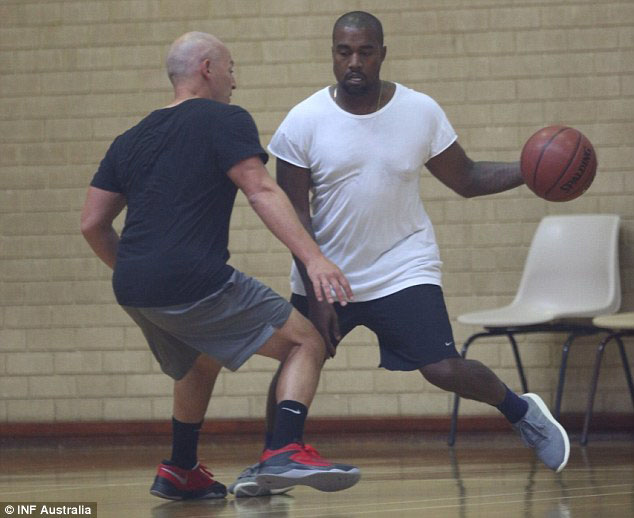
{"x": 349, "y": 157}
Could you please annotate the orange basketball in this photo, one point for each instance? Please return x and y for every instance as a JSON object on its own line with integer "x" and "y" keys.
{"x": 558, "y": 163}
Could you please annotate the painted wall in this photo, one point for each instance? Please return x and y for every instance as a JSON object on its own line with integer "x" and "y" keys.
{"x": 77, "y": 73}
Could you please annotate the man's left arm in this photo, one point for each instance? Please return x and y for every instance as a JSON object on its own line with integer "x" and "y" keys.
{"x": 468, "y": 178}
{"x": 100, "y": 209}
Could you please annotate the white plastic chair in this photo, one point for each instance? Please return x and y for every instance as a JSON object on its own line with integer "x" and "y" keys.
{"x": 570, "y": 276}
{"x": 619, "y": 326}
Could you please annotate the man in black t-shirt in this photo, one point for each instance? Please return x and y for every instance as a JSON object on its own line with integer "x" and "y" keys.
{"x": 177, "y": 172}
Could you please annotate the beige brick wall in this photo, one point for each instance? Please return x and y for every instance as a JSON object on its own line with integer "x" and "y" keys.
{"x": 75, "y": 73}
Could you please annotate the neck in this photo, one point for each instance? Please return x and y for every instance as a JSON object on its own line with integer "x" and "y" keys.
{"x": 369, "y": 102}
{"x": 185, "y": 90}
{"x": 179, "y": 99}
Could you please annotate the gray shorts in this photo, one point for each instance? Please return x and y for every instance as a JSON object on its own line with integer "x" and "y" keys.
{"x": 229, "y": 325}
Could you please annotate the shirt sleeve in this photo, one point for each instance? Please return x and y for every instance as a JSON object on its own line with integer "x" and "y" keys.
{"x": 238, "y": 139}
{"x": 444, "y": 134}
{"x": 106, "y": 178}
{"x": 285, "y": 143}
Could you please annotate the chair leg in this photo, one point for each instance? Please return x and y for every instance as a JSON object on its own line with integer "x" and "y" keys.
{"x": 626, "y": 366}
{"x": 518, "y": 362}
{"x": 593, "y": 389}
{"x": 562, "y": 373}
{"x": 456, "y": 399}
{"x": 454, "y": 421}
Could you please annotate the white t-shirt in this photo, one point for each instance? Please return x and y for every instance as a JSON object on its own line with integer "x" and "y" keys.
{"x": 366, "y": 209}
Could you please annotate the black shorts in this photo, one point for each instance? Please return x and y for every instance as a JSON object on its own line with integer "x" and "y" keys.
{"x": 412, "y": 325}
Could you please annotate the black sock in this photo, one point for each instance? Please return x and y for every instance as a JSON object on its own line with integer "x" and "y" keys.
{"x": 289, "y": 424}
{"x": 513, "y": 407}
{"x": 185, "y": 443}
{"x": 268, "y": 437}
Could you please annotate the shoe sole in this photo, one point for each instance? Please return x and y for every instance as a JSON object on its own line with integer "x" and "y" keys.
{"x": 542, "y": 406}
{"x": 163, "y": 495}
{"x": 251, "y": 489}
{"x": 208, "y": 496}
{"x": 328, "y": 481}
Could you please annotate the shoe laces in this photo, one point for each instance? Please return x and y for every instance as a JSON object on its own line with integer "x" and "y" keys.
{"x": 309, "y": 449}
{"x": 312, "y": 451}
{"x": 205, "y": 470}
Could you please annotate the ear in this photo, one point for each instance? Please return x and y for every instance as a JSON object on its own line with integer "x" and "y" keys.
{"x": 383, "y": 52}
{"x": 205, "y": 68}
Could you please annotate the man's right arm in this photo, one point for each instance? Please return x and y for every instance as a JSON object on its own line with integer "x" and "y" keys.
{"x": 295, "y": 182}
{"x": 274, "y": 209}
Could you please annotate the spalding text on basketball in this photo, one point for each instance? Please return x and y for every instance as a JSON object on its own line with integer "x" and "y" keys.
{"x": 587, "y": 154}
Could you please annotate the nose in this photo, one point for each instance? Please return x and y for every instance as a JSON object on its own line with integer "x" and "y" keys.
{"x": 355, "y": 61}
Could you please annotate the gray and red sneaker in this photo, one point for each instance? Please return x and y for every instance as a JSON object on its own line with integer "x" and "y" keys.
{"x": 245, "y": 485}
{"x": 300, "y": 464}
{"x": 176, "y": 483}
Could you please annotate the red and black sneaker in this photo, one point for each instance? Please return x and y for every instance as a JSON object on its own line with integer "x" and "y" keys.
{"x": 176, "y": 483}
{"x": 300, "y": 464}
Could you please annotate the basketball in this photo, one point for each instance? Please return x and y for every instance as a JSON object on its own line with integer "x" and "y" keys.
{"x": 558, "y": 163}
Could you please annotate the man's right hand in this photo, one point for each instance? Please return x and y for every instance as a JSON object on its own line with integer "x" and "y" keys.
{"x": 328, "y": 281}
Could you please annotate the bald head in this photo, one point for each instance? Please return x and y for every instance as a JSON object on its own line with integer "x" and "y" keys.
{"x": 360, "y": 20}
{"x": 188, "y": 51}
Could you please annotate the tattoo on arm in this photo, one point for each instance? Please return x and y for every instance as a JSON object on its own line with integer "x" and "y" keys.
{"x": 493, "y": 177}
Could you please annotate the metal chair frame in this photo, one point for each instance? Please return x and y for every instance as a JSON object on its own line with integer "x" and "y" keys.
{"x": 570, "y": 277}
{"x": 617, "y": 337}
{"x": 573, "y": 332}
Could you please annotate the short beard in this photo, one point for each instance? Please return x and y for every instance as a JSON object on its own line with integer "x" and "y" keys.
{"x": 355, "y": 90}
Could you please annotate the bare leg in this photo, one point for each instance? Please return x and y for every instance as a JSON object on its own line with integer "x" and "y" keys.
{"x": 191, "y": 398}
{"x": 296, "y": 378}
{"x": 272, "y": 398}
{"x": 469, "y": 379}
{"x": 193, "y": 391}
{"x": 302, "y": 352}
{"x": 271, "y": 402}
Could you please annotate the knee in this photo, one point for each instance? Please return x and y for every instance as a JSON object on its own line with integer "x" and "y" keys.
{"x": 205, "y": 366}
{"x": 305, "y": 343}
{"x": 306, "y": 340}
{"x": 313, "y": 345}
{"x": 441, "y": 373}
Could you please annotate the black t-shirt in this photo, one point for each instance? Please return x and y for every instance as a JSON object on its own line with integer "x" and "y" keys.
{"x": 172, "y": 168}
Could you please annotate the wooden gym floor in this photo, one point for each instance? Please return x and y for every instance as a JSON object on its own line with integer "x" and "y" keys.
{"x": 402, "y": 476}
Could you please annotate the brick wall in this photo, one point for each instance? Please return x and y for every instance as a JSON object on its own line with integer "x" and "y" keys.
{"x": 77, "y": 73}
